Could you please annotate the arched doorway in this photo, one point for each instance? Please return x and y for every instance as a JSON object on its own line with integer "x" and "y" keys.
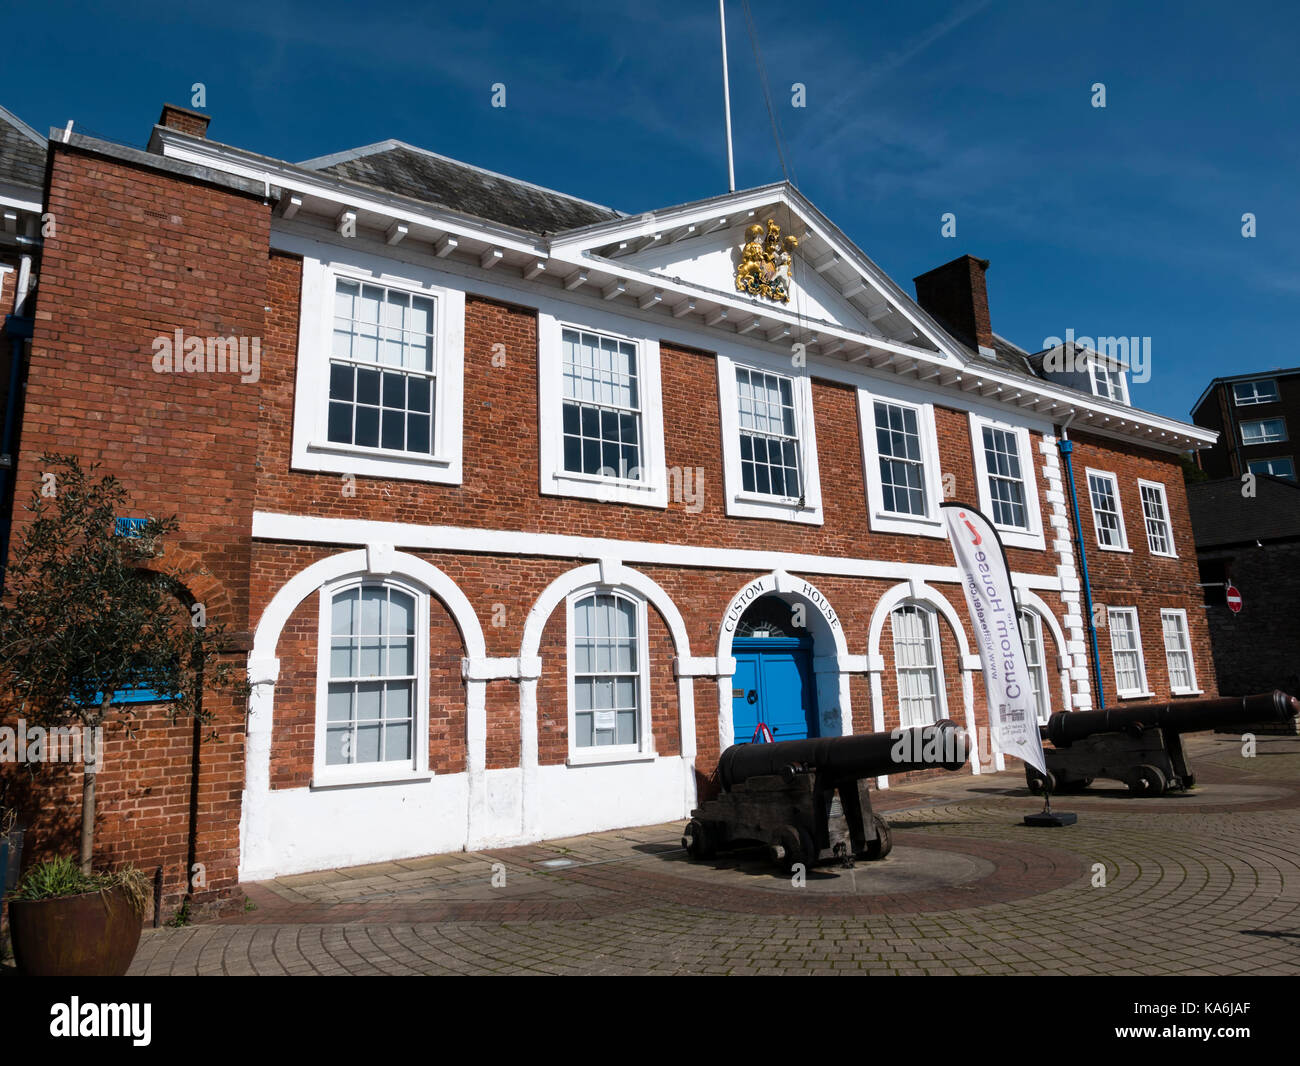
{"x": 774, "y": 684}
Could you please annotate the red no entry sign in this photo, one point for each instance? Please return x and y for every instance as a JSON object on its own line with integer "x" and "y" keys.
{"x": 1234, "y": 598}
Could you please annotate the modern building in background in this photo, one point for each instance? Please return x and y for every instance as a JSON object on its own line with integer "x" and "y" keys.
{"x": 521, "y": 508}
{"x": 1248, "y": 539}
{"x": 1255, "y": 416}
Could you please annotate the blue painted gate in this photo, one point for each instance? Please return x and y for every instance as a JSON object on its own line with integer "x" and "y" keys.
{"x": 773, "y": 683}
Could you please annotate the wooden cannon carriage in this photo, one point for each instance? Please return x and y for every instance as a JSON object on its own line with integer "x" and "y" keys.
{"x": 808, "y": 800}
{"x": 1141, "y": 744}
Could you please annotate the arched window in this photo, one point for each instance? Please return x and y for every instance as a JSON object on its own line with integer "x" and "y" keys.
{"x": 607, "y": 676}
{"x": 373, "y": 679}
{"x": 1031, "y": 631}
{"x": 921, "y": 697}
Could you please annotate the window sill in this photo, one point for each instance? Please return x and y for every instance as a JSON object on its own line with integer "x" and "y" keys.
{"x": 1114, "y": 548}
{"x": 377, "y": 453}
{"x": 911, "y": 525}
{"x": 325, "y": 457}
{"x": 777, "y": 508}
{"x": 605, "y": 489}
{"x": 328, "y": 780}
{"x": 1019, "y": 537}
{"x": 1134, "y": 695}
{"x": 593, "y": 758}
{"x": 1164, "y": 555}
{"x": 1187, "y": 691}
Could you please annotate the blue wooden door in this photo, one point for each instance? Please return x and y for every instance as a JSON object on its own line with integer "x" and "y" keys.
{"x": 745, "y": 697}
{"x": 773, "y": 683}
{"x": 786, "y": 693}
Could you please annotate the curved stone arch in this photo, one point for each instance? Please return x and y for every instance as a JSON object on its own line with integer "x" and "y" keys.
{"x": 1031, "y": 601}
{"x": 920, "y": 592}
{"x": 833, "y": 700}
{"x": 784, "y": 585}
{"x": 597, "y": 574}
{"x": 256, "y": 844}
{"x": 400, "y": 564}
{"x": 916, "y": 592}
{"x": 607, "y": 574}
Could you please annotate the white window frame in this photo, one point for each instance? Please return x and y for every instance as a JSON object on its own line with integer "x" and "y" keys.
{"x": 1145, "y": 690}
{"x": 1014, "y": 536}
{"x": 1267, "y": 440}
{"x": 643, "y": 750}
{"x": 1237, "y": 401}
{"x": 312, "y": 449}
{"x": 1275, "y": 459}
{"x": 742, "y": 504}
{"x": 936, "y": 646}
{"x": 929, "y": 524}
{"x": 1172, "y": 553}
{"x": 1044, "y": 708}
{"x": 1181, "y": 614}
{"x": 651, "y": 490}
{"x": 1123, "y": 546}
{"x": 325, "y": 775}
{"x": 1120, "y": 380}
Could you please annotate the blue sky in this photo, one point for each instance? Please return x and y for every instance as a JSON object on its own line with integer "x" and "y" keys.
{"x": 1122, "y": 221}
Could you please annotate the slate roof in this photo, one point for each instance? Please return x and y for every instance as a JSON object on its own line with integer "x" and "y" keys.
{"x": 1013, "y": 357}
{"x": 1221, "y": 515}
{"x": 400, "y": 168}
{"x": 22, "y": 152}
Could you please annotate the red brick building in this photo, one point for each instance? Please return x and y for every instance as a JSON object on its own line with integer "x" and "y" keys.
{"x": 525, "y": 510}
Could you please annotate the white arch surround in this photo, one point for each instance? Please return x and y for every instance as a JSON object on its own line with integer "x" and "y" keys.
{"x": 534, "y": 801}
{"x": 920, "y": 592}
{"x": 1031, "y": 601}
{"x": 834, "y": 707}
{"x": 257, "y": 843}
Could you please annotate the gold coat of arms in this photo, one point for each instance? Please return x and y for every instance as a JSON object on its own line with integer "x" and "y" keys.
{"x": 764, "y": 268}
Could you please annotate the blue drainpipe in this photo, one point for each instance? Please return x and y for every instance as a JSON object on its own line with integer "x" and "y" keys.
{"x": 1066, "y": 447}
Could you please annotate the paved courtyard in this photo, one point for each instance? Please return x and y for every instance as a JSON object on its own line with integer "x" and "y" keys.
{"x": 1202, "y": 883}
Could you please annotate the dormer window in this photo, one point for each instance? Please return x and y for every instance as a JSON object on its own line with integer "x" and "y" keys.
{"x": 1109, "y": 383}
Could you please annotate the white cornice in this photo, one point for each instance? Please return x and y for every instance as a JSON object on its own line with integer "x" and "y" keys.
{"x": 950, "y": 372}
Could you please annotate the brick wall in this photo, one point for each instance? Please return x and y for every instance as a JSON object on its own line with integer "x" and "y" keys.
{"x": 137, "y": 255}
{"x": 1259, "y": 648}
{"x": 167, "y": 796}
{"x": 500, "y": 489}
{"x": 1140, "y": 578}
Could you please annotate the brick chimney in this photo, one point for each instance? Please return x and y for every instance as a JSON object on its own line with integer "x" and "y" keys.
{"x": 185, "y": 120}
{"x": 956, "y": 295}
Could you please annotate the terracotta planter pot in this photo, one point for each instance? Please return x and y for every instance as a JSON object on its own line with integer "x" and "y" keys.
{"x": 94, "y": 934}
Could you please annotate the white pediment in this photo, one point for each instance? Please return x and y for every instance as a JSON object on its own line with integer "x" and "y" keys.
{"x": 830, "y": 281}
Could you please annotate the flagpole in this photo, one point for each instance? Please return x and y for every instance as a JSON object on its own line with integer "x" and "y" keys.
{"x": 726, "y": 97}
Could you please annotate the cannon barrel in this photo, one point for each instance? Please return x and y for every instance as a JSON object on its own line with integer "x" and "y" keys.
{"x": 1184, "y": 716}
{"x": 851, "y": 757}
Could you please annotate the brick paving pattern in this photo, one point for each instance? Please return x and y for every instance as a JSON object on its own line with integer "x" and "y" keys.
{"x": 1204, "y": 883}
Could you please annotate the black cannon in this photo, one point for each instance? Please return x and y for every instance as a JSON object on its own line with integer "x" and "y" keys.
{"x": 1141, "y": 745}
{"x": 807, "y": 800}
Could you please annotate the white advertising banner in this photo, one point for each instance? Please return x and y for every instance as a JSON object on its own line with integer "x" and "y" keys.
{"x": 986, "y": 580}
